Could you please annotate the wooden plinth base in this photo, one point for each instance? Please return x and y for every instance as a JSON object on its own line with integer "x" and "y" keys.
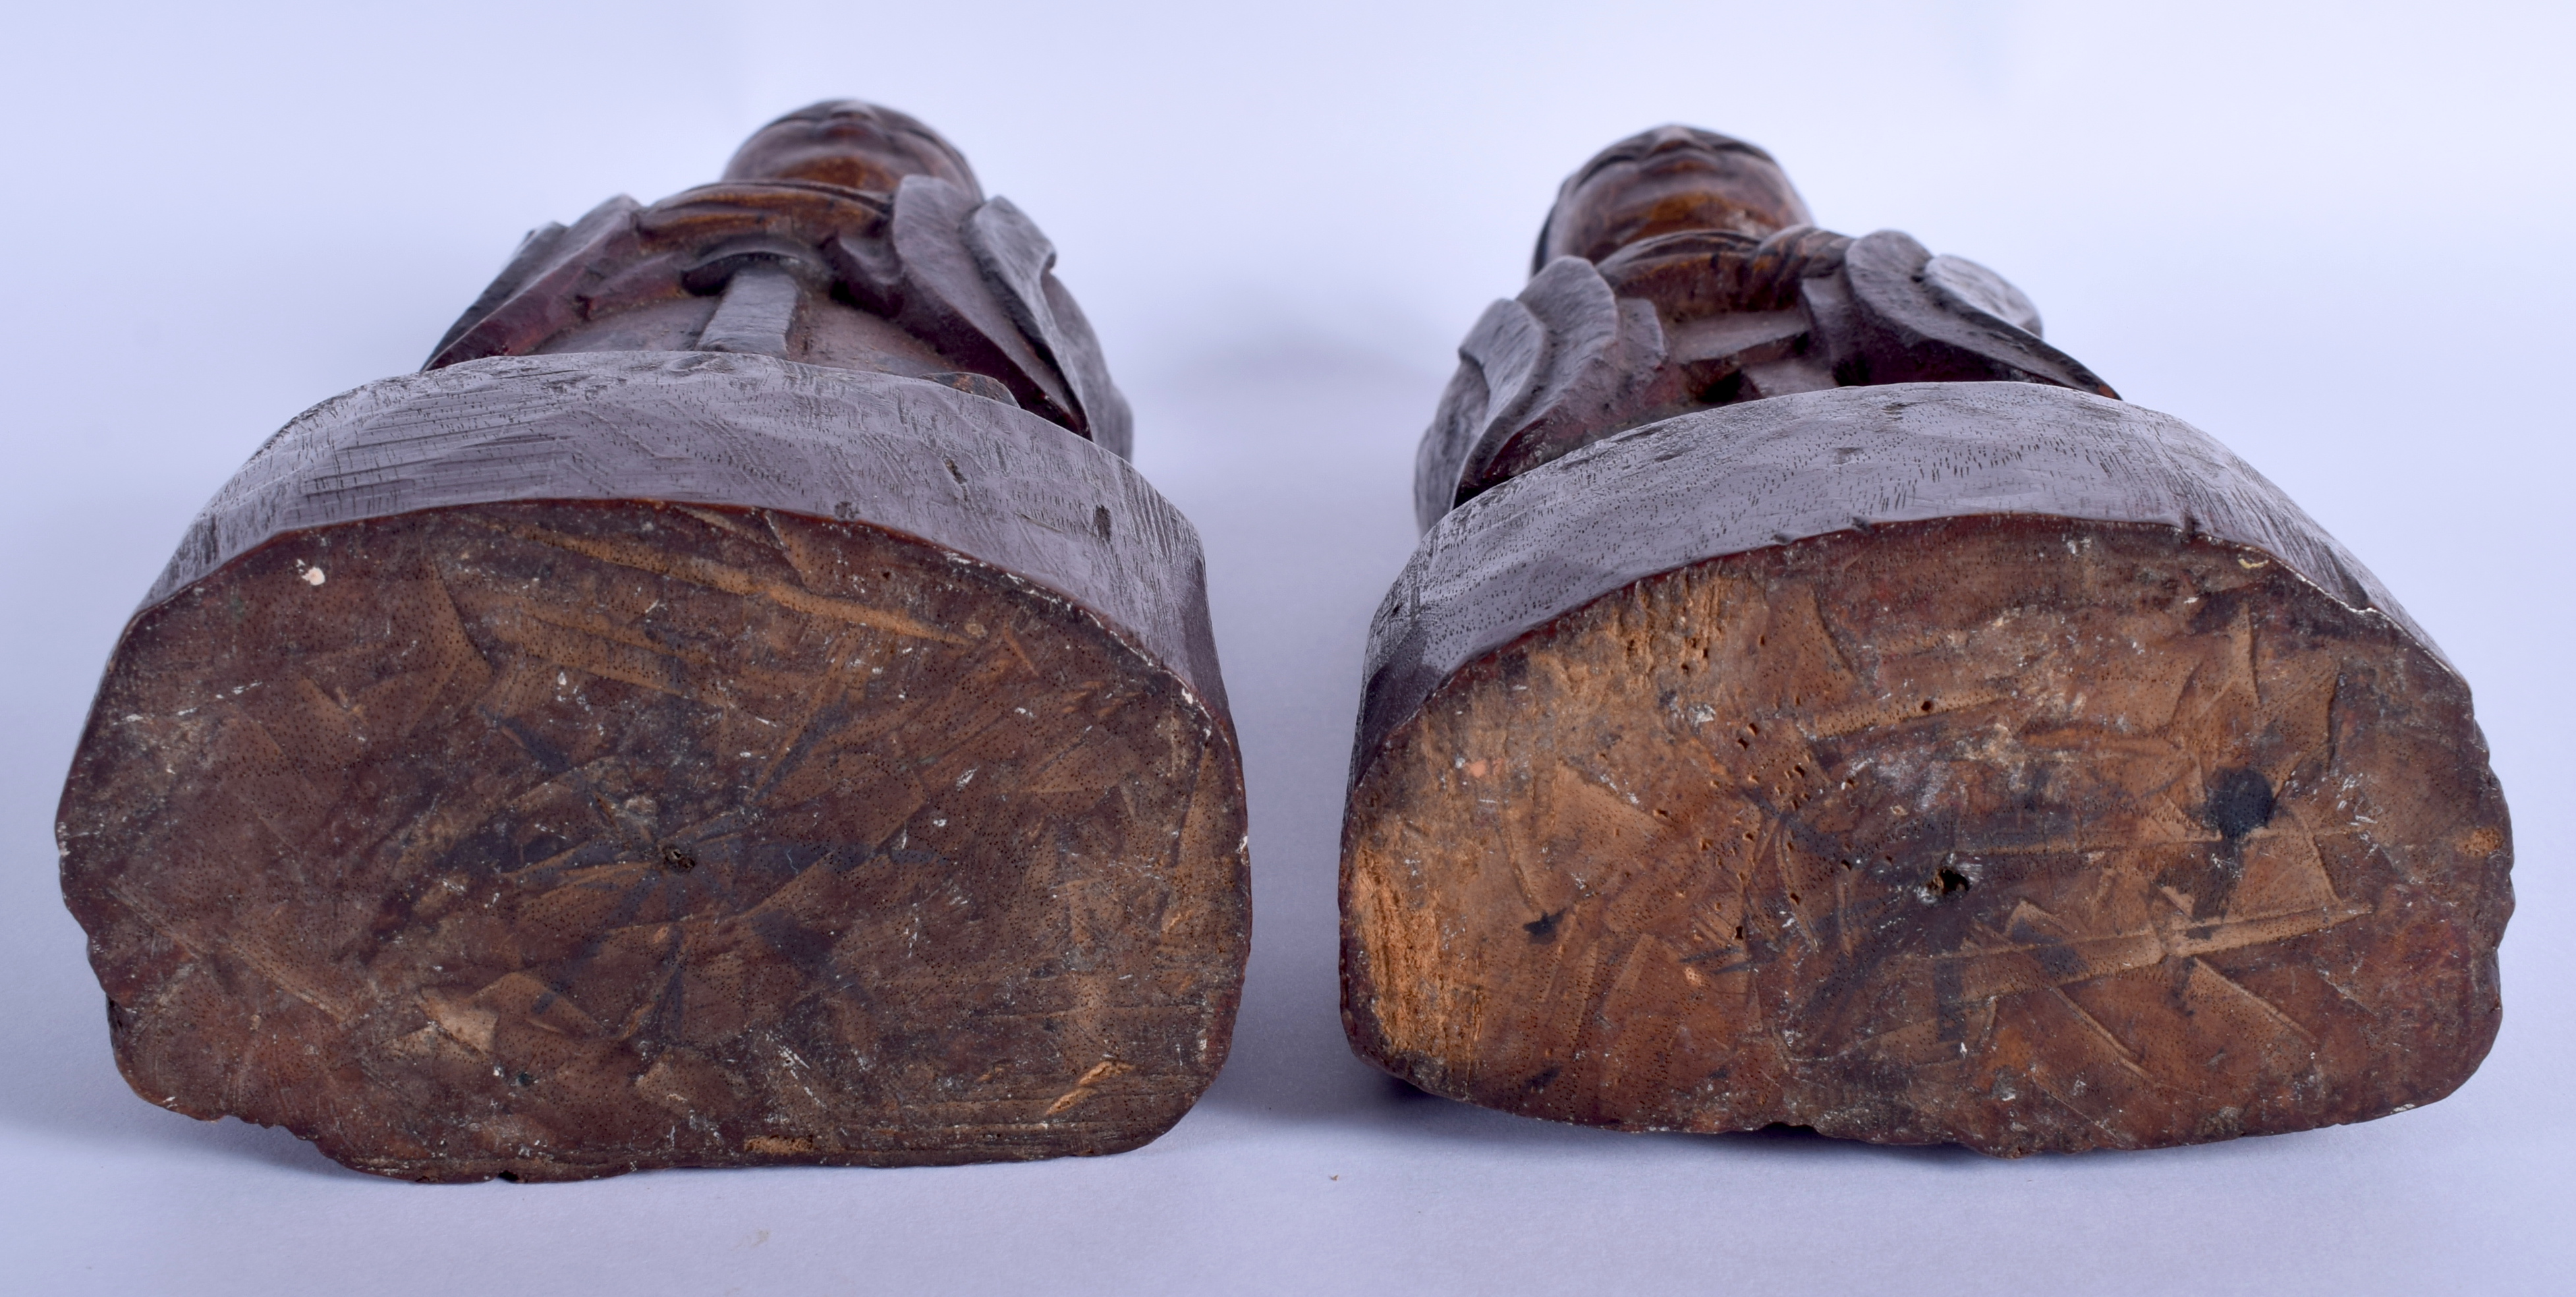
{"x": 464, "y": 801}
{"x": 2025, "y": 833}
{"x": 557, "y": 840}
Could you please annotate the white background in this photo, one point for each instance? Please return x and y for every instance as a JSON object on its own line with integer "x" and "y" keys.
{"x": 2336, "y": 237}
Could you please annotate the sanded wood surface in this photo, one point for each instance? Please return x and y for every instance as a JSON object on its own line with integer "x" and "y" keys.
{"x": 1975, "y": 762}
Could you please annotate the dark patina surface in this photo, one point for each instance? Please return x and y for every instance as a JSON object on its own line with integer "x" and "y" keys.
{"x": 1816, "y": 700}
{"x": 736, "y": 706}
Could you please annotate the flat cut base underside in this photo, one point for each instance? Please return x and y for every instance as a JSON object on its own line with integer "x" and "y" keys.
{"x": 560, "y": 840}
{"x": 2019, "y": 833}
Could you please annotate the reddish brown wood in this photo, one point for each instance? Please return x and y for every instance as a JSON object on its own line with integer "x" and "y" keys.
{"x": 1796, "y": 724}
{"x": 710, "y": 717}
{"x": 921, "y": 277}
{"x": 1676, "y": 273}
{"x": 1672, "y": 179}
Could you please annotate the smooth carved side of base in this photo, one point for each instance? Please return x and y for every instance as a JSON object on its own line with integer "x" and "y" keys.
{"x": 2022, "y": 833}
{"x": 558, "y": 840}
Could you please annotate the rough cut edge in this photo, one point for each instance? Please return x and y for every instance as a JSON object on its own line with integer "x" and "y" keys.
{"x": 902, "y": 454}
{"x": 1431, "y": 1074}
{"x": 1224, "y": 1008}
{"x": 1746, "y": 477}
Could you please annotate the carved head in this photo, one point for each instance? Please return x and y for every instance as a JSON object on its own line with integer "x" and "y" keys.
{"x": 1665, "y": 180}
{"x": 852, "y": 144}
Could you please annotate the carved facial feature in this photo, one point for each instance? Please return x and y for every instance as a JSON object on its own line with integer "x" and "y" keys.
{"x": 852, "y": 144}
{"x": 1665, "y": 180}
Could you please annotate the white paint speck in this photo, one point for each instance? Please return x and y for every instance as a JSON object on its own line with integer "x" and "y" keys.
{"x": 313, "y": 576}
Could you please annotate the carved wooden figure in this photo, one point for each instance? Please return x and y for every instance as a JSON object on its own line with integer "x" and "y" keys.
{"x": 1817, "y": 700}
{"x": 735, "y": 705}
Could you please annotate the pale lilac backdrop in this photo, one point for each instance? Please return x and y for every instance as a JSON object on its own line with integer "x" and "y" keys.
{"x": 2335, "y": 236}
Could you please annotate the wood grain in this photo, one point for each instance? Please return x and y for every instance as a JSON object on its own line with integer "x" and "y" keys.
{"x": 927, "y": 279}
{"x": 1818, "y": 700}
{"x": 960, "y": 471}
{"x": 1677, "y": 272}
{"x": 1986, "y": 763}
{"x": 736, "y": 706}
{"x": 555, "y": 839}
